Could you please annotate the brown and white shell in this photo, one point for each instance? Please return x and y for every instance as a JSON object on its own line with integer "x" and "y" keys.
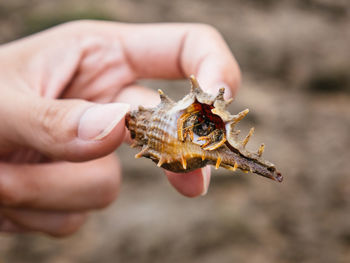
{"x": 158, "y": 132}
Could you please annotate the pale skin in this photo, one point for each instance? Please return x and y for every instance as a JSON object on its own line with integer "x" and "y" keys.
{"x": 57, "y": 145}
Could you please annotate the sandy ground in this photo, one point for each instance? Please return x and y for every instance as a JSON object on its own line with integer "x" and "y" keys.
{"x": 295, "y": 59}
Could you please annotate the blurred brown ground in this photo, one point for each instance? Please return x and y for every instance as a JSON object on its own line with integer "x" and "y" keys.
{"x": 295, "y": 59}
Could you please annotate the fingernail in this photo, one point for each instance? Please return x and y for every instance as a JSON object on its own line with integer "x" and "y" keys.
{"x": 214, "y": 90}
{"x": 206, "y": 179}
{"x": 99, "y": 120}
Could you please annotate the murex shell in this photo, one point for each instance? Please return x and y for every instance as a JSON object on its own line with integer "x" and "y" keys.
{"x": 194, "y": 132}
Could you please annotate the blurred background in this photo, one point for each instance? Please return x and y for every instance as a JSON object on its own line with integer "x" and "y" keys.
{"x": 295, "y": 59}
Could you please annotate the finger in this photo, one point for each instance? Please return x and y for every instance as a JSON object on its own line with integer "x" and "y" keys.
{"x": 176, "y": 51}
{"x": 52, "y": 223}
{"x": 60, "y": 186}
{"x": 73, "y": 130}
{"x": 153, "y": 51}
{"x": 137, "y": 95}
{"x": 191, "y": 184}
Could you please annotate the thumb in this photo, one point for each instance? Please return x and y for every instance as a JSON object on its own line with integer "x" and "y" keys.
{"x": 73, "y": 130}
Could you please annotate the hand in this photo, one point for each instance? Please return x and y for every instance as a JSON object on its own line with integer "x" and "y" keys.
{"x": 64, "y": 94}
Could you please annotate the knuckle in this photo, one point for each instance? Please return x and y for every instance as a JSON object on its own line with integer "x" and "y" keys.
{"x": 80, "y": 25}
{"x": 69, "y": 225}
{"x": 109, "y": 190}
{"x": 8, "y": 196}
{"x": 49, "y": 116}
{"x": 206, "y": 29}
{"x": 53, "y": 122}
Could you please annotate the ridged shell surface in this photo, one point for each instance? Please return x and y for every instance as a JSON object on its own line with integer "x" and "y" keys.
{"x": 194, "y": 132}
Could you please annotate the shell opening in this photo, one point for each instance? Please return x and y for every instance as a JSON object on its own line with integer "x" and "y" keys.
{"x": 199, "y": 124}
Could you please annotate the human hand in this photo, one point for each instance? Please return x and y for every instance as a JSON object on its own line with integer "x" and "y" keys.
{"x": 64, "y": 94}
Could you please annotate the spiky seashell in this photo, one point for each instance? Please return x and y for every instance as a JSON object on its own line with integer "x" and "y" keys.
{"x": 193, "y": 132}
